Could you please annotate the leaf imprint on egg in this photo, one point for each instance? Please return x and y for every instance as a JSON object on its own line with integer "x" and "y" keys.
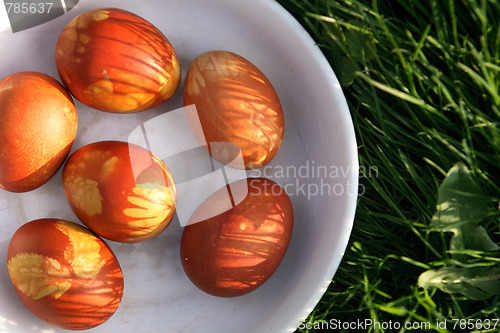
{"x": 38, "y": 276}
{"x": 151, "y": 206}
{"x": 83, "y": 253}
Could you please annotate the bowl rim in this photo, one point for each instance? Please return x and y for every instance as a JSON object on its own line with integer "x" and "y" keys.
{"x": 317, "y": 56}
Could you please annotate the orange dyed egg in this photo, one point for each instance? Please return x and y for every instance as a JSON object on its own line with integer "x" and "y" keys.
{"x": 64, "y": 273}
{"x": 234, "y": 253}
{"x": 113, "y": 60}
{"x": 120, "y": 191}
{"x": 38, "y": 124}
{"x": 237, "y": 104}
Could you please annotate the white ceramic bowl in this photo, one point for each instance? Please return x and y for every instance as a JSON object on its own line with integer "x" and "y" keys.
{"x": 317, "y": 165}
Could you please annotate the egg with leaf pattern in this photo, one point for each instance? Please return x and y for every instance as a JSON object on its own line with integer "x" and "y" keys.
{"x": 236, "y": 103}
{"x": 119, "y": 190}
{"x": 234, "y": 253}
{"x": 116, "y": 61}
{"x": 64, "y": 274}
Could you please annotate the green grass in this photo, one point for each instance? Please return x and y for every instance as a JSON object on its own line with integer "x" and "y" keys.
{"x": 422, "y": 80}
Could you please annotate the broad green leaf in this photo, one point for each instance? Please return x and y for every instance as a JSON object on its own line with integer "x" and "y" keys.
{"x": 348, "y": 46}
{"x": 461, "y": 204}
{"x": 361, "y": 45}
{"x": 475, "y": 283}
{"x": 460, "y": 199}
{"x": 472, "y": 236}
{"x": 344, "y": 69}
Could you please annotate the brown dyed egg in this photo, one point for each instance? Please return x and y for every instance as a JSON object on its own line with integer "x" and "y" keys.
{"x": 120, "y": 191}
{"x": 64, "y": 274}
{"x": 237, "y": 104}
{"x": 234, "y": 253}
{"x": 113, "y": 60}
{"x": 38, "y": 124}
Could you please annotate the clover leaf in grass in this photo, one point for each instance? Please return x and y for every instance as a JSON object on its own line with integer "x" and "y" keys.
{"x": 476, "y": 283}
{"x": 461, "y": 205}
{"x": 350, "y": 47}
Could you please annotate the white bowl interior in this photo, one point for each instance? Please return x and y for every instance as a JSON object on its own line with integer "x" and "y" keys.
{"x": 317, "y": 165}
